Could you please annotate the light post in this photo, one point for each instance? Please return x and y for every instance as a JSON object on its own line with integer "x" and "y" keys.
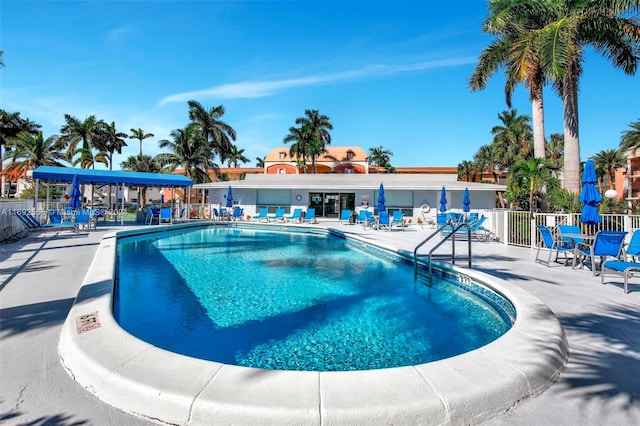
{"x": 611, "y": 194}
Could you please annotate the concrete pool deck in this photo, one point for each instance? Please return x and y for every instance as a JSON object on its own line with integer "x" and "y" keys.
{"x": 600, "y": 385}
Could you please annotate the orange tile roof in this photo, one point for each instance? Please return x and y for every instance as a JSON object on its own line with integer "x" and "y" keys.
{"x": 339, "y": 153}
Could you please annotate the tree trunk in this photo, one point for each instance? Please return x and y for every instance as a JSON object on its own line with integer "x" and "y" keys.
{"x": 571, "y": 172}
{"x": 537, "y": 114}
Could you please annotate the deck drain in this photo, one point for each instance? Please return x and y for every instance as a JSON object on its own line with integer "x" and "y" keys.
{"x": 87, "y": 322}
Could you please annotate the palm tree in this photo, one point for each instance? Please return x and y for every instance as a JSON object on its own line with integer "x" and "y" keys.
{"x": 379, "y": 156}
{"x": 467, "y": 171}
{"x": 189, "y": 150}
{"x": 630, "y": 139}
{"x": 513, "y": 138}
{"x": 28, "y": 152}
{"x": 298, "y": 150}
{"x": 88, "y": 159}
{"x": 140, "y": 135}
{"x": 530, "y": 175}
{"x": 609, "y": 160}
{"x": 554, "y": 149}
{"x": 1, "y": 60}
{"x": 487, "y": 158}
{"x": 11, "y": 124}
{"x": 75, "y": 131}
{"x": 216, "y": 132}
{"x": 141, "y": 163}
{"x": 110, "y": 141}
{"x": 559, "y": 46}
{"x": 236, "y": 155}
{"x": 315, "y": 128}
{"x": 513, "y": 50}
{"x": 260, "y": 162}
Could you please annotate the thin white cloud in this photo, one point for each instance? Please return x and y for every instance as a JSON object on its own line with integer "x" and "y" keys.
{"x": 259, "y": 89}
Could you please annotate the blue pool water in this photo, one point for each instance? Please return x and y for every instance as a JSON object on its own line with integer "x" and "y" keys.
{"x": 291, "y": 301}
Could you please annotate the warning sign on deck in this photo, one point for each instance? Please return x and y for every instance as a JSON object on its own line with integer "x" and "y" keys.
{"x": 87, "y": 322}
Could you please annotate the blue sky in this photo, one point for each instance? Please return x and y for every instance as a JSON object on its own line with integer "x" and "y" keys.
{"x": 386, "y": 73}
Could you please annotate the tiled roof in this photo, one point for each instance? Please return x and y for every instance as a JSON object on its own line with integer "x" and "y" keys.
{"x": 335, "y": 153}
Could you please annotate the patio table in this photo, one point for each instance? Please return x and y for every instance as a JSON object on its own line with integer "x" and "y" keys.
{"x": 578, "y": 239}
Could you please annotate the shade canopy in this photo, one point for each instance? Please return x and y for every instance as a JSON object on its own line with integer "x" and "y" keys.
{"x": 381, "y": 207}
{"x": 466, "y": 202}
{"x": 589, "y": 196}
{"x": 66, "y": 174}
{"x": 443, "y": 200}
{"x": 229, "y": 197}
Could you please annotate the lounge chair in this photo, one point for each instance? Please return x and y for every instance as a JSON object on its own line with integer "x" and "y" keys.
{"x": 605, "y": 244}
{"x": 397, "y": 219}
{"x": 100, "y": 213}
{"x": 55, "y": 216}
{"x": 262, "y": 215}
{"x": 345, "y": 217}
{"x": 310, "y": 216}
{"x": 622, "y": 268}
{"x": 165, "y": 215}
{"x": 547, "y": 241}
{"x": 83, "y": 219}
{"x": 31, "y": 224}
{"x": 279, "y": 216}
{"x": 297, "y": 214}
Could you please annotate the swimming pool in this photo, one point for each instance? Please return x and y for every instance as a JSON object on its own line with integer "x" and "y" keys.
{"x": 140, "y": 378}
{"x": 292, "y": 301}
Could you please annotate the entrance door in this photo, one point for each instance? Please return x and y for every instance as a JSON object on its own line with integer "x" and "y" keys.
{"x": 315, "y": 201}
{"x": 331, "y": 204}
{"x": 347, "y": 201}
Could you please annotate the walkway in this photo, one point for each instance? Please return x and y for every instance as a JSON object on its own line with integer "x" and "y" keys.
{"x": 40, "y": 277}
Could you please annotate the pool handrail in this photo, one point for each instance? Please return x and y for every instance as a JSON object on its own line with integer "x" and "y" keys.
{"x": 456, "y": 227}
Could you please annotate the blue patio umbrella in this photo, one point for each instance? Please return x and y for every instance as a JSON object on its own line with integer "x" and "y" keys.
{"x": 589, "y": 196}
{"x": 229, "y": 197}
{"x": 381, "y": 199}
{"x": 75, "y": 198}
{"x": 443, "y": 200}
{"x": 466, "y": 202}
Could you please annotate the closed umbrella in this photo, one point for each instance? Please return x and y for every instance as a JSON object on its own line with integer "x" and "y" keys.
{"x": 443, "y": 200}
{"x": 381, "y": 199}
{"x": 589, "y": 196}
{"x": 229, "y": 197}
{"x": 75, "y": 198}
{"x": 466, "y": 202}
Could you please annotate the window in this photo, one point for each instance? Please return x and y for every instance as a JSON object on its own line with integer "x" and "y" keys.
{"x": 349, "y": 171}
{"x": 283, "y": 155}
{"x": 282, "y": 172}
{"x": 349, "y": 155}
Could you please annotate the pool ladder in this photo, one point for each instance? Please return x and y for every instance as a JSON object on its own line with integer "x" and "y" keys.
{"x": 455, "y": 227}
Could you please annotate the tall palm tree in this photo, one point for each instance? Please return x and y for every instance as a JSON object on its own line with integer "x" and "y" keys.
{"x": 630, "y": 139}
{"x": 216, "y": 132}
{"x": 318, "y": 126}
{"x": 28, "y": 152}
{"x": 298, "y": 150}
{"x": 513, "y": 138}
{"x": 608, "y": 26}
{"x": 379, "y": 156}
{"x": 110, "y": 141}
{"x": 487, "y": 158}
{"x": 141, "y": 163}
{"x": 140, "y": 135}
{"x": 235, "y": 156}
{"x": 88, "y": 159}
{"x": 512, "y": 50}
{"x": 189, "y": 150}
{"x": 609, "y": 160}
{"x": 75, "y": 131}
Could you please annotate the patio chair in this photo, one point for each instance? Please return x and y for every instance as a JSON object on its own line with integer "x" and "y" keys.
{"x": 547, "y": 241}
{"x": 605, "y": 244}
{"x": 237, "y": 214}
{"x": 397, "y": 219}
{"x": 384, "y": 221}
{"x": 279, "y": 216}
{"x": 31, "y": 224}
{"x": 55, "y": 216}
{"x": 621, "y": 268}
{"x": 262, "y": 215}
{"x": 633, "y": 249}
{"x": 297, "y": 213}
{"x": 83, "y": 219}
{"x": 151, "y": 216}
{"x": 100, "y": 213}
{"x": 570, "y": 230}
{"x": 345, "y": 217}
{"x": 310, "y": 216}
{"x": 165, "y": 215}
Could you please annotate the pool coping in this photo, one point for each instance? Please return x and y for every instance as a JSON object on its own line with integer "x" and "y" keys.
{"x": 144, "y": 380}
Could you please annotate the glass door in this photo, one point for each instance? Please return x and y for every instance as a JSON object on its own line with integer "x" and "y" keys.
{"x": 331, "y": 204}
